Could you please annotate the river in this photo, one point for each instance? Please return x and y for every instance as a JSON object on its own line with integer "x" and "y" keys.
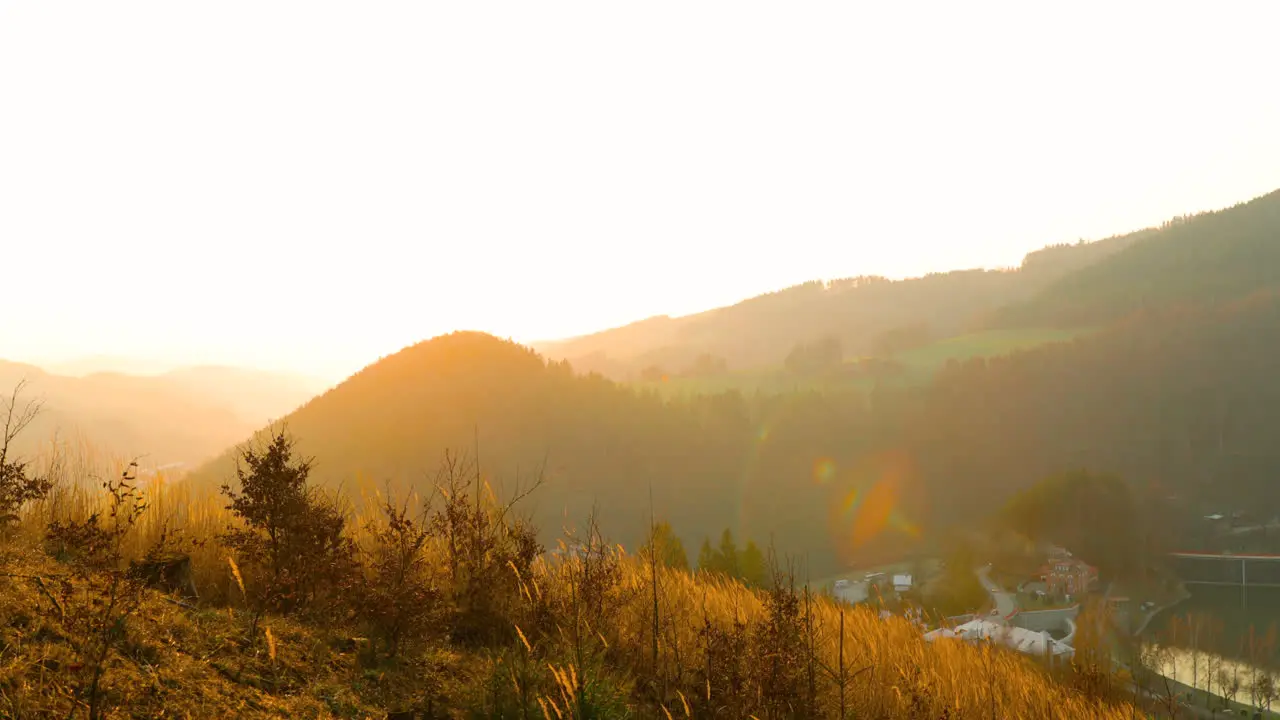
{"x": 1213, "y": 641}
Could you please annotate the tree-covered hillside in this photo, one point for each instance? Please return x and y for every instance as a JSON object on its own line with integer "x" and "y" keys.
{"x": 1188, "y": 260}
{"x": 1178, "y": 399}
{"x": 1206, "y": 258}
{"x": 867, "y": 315}
{"x": 1176, "y": 402}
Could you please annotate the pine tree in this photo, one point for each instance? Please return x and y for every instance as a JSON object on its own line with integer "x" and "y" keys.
{"x": 671, "y": 551}
{"x": 728, "y": 553}
{"x": 753, "y": 570}
{"x": 708, "y": 558}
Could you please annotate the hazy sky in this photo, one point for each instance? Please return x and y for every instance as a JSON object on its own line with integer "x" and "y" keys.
{"x": 310, "y": 185}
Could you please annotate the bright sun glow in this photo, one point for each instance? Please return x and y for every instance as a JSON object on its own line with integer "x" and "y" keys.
{"x": 310, "y": 185}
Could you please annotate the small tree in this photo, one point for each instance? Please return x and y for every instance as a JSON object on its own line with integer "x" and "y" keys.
{"x": 778, "y": 654}
{"x": 670, "y": 549}
{"x": 291, "y": 543}
{"x": 1267, "y": 690}
{"x": 1228, "y": 684}
{"x": 707, "y": 559}
{"x": 753, "y": 569}
{"x": 727, "y": 555}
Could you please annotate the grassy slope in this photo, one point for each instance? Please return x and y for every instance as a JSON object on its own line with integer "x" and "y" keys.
{"x": 195, "y": 662}
{"x": 180, "y": 662}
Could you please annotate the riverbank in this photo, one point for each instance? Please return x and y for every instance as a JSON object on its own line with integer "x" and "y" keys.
{"x": 1201, "y": 703}
{"x": 1223, "y": 628}
{"x": 1183, "y": 596}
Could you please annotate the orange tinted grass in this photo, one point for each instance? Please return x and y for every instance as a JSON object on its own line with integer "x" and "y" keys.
{"x": 889, "y": 669}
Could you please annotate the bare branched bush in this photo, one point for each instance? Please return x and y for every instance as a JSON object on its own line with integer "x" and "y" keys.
{"x": 593, "y": 569}
{"x": 101, "y": 592}
{"x": 18, "y": 486}
{"x": 401, "y": 599}
{"x": 487, "y": 550}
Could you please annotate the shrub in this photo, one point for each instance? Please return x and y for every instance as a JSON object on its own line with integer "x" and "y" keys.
{"x": 109, "y": 592}
{"x": 17, "y": 485}
{"x": 487, "y": 552}
{"x": 400, "y": 596}
{"x": 292, "y": 549}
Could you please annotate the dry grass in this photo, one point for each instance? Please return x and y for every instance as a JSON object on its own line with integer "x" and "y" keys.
{"x": 197, "y": 662}
{"x": 889, "y": 670}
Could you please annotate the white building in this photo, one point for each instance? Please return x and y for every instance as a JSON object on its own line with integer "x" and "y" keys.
{"x": 1016, "y": 638}
{"x": 852, "y": 592}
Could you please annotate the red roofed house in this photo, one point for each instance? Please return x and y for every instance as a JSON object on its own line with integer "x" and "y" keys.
{"x": 1068, "y": 576}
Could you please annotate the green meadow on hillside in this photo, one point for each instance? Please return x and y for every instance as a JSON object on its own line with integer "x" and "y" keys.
{"x": 917, "y": 366}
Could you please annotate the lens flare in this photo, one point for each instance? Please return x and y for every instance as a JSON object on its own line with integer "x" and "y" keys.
{"x": 873, "y": 513}
{"x": 872, "y": 507}
{"x": 849, "y": 502}
{"x": 823, "y": 470}
{"x": 906, "y": 526}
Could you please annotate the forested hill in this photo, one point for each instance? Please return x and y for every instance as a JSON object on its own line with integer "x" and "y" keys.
{"x": 1207, "y": 258}
{"x": 1177, "y": 402}
{"x": 1179, "y": 398}
{"x": 1210, "y": 257}
{"x": 712, "y": 462}
{"x": 863, "y": 313}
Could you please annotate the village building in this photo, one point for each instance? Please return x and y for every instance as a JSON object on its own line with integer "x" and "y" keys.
{"x": 1068, "y": 576}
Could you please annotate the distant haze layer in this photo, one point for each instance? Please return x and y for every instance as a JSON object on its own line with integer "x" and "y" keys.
{"x": 312, "y": 186}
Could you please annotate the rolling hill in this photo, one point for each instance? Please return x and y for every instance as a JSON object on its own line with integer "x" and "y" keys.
{"x": 862, "y": 312}
{"x": 1179, "y": 402}
{"x": 710, "y": 461}
{"x": 1177, "y": 396}
{"x": 1210, "y": 257}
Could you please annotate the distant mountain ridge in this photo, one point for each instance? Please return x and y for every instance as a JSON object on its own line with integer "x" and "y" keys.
{"x": 859, "y": 311}
{"x": 95, "y": 364}
{"x": 182, "y": 416}
{"x": 1216, "y": 255}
